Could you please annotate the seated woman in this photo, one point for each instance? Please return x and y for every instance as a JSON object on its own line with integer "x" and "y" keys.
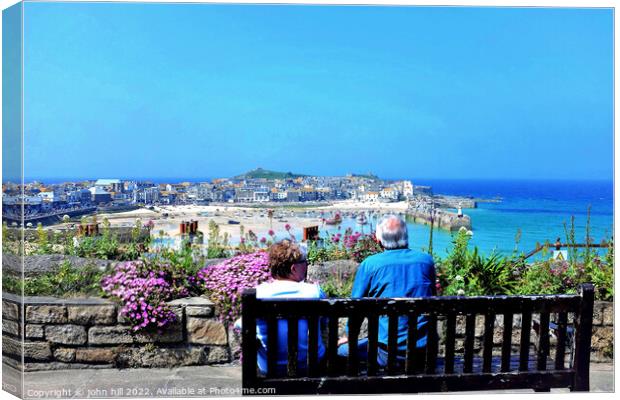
{"x": 289, "y": 267}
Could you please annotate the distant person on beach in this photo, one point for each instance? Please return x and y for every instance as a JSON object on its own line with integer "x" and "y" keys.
{"x": 289, "y": 267}
{"x": 397, "y": 272}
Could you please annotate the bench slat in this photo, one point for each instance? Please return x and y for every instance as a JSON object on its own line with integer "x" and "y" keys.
{"x": 392, "y": 343}
{"x": 543, "y": 341}
{"x": 353, "y": 361}
{"x": 313, "y": 346}
{"x": 293, "y": 338}
{"x": 272, "y": 347}
{"x": 507, "y": 342}
{"x": 249, "y": 340}
{"x": 450, "y": 342}
{"x": 373, "y": 337}
{"x": 487, "y": 352}
{"x": 432, "y": 305}
{"x": 421, "y": 383}
{"x": 412, "y": 353}
{"x": 526, "y": 328}
{"x": 431, "y": 344}
{"x": 332, "y": 345}
{"x": 470, "y": 326}
{"x": 560, "y": 349}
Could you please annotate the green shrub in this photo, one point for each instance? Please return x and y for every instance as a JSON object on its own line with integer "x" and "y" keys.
{"x": 217, "y": 243}
{"x": 467, "y": 272}
{"x": 338, "y": 284}
{"x": 67, "y": 281}
{"x": 350, "y": 246}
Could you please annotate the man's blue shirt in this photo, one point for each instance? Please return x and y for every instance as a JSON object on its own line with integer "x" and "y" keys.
{"x": 397, "y": 273}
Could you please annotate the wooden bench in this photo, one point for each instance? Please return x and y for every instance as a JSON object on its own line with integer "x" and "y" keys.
{"x": 518, "y": 369}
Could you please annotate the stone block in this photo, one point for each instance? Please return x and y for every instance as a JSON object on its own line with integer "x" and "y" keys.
{"x": 66, "y": 334}
{"x": 37, "y": 350}
{"x": 234, "y": 342}
{"x": 608, "y": 314}
{"x": 170, "y": 334}
{"x": 597, "y": 313}
{"x": 46, "y": 314}
{"x": 11, "y": 346}
{"x": 217, "y": 355}
{"x": 121, "y": 319}
{"x": 64, "y": 354}
{"x": 55, "y": 365}
{"x": 206, "y": 331}
{"x": 110, "y": 335}
{"x": 12, "y": 362}
{"x": 10, "y": 327}
{"x": 10, "y": 310}
{"x": 602, "y": 344}
{"x": 34, "y": 331}
{"x": 96, "y": 355}
{"x": 155, "y": 357}
{"x": 92, "y": 314}
{"x": 203, "y": 311}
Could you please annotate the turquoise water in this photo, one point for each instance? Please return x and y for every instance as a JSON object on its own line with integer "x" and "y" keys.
{"x": 538, "y": 208}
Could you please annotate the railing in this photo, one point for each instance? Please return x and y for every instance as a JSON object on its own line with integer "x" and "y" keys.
{"x": 547, "y": 245}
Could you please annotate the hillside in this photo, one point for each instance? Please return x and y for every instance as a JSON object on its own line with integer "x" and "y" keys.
{"x": 267, "y": 174}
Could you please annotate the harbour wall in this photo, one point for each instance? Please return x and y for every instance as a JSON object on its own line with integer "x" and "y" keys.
{"x": 443, "y": 219}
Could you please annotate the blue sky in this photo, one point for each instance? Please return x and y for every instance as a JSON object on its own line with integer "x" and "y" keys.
{"x": 200, "y": 91}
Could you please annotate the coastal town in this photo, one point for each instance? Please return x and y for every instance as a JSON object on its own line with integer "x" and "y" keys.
{"x": 48, "y": 204}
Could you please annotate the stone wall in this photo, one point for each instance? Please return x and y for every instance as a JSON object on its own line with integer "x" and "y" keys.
{"x": 90, "y": 333}
{"x": 603, "y": 332}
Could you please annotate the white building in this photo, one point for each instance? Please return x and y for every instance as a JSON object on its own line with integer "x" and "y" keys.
{"x": 261, "y": 196}
{"x": 389, "y": 193}
{"x": 370, "y": 197}
{"x": 407, "y": 189}
{"x": 112, "y": 185}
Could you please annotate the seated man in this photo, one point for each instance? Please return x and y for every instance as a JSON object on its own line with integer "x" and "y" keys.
{"x": 288, "y": 268}
{"x": 397, "y": 272}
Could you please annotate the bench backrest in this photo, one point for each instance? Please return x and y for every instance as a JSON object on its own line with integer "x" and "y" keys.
{"x": 510, "y": 369}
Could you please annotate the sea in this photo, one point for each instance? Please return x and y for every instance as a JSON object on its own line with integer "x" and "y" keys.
{"x": 537, "y": 209}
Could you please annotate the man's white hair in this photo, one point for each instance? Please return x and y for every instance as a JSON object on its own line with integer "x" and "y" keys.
{"x": 392, "y": 232}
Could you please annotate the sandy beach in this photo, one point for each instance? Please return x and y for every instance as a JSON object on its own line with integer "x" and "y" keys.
{"x": 168, "y": 218}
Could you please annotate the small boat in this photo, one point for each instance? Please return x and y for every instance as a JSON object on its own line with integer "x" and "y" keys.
{"x": 233, "y": 222}
{"x": 361, "y": 219}
{"x": 334, "y": 221}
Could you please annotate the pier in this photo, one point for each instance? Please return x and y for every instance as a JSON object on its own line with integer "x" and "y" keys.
{"x": 442, "y": 219}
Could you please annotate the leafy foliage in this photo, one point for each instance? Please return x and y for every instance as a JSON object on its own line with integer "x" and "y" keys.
{"x": 67, "y": 281}
{"x": 350, "y": 246}
{"x": 218, "y": 243}
{"x": 467, "y": 272}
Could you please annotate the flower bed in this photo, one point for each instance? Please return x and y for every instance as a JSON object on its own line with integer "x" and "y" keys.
{"x": 224, "y": 282}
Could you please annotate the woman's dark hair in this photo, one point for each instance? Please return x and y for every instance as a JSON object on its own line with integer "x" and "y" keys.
{"x": 282, "y": 256}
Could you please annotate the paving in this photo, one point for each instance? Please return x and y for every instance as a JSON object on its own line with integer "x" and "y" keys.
{"x": 202, "y": 381}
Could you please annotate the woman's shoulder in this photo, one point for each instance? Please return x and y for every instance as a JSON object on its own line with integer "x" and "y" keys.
{"x": 312, "y": 290}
